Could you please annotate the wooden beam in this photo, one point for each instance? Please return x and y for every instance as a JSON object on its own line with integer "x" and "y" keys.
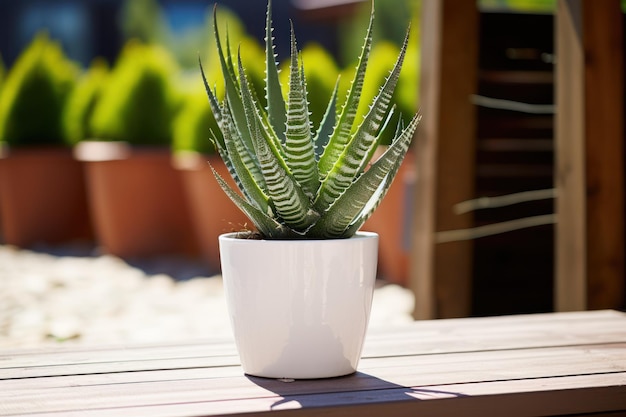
{"x": 570, "y": 237}
{"x": 441, "y": 275}
{"x": 589, "y": 155}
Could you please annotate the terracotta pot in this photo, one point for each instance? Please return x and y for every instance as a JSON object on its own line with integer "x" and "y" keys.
{"x": 42, "y": 197}
{"x": 299, "y": 308}
{"x": 137, "y": 200}
{"x": 391, "y": 221}
{"x": 212, "y": 212}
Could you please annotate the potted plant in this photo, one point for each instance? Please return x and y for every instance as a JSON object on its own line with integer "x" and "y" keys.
{"x": 137, "y": 199}
{"x": 42, "y": 190}
{"x": 299, "y": 288}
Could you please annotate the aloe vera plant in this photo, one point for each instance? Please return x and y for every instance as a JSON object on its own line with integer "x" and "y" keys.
{"x": 294, "y": 182}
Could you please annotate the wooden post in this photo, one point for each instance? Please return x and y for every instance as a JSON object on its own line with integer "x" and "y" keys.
{"x": 589, "y": 155}
{"x": 441, "y": 274}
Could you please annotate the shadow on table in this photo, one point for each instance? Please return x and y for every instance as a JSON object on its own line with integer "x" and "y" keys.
{"x": 358, "y": 388}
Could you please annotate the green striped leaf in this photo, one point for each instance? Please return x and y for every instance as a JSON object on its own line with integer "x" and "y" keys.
{"x": 366, "y": 191}
{"x": 288, "y": 198}
{"x": 213, "y": 102}
{"x": 377, "y": 198}
{"x": 218, "y": 141}
{"x": 296, "y": 184}
{"x": 273, "y": 94}
{"x": 356, "y": 155}
{"x": 232, "y": 88}
{"x": 299, "y": 151}
{"x": 265, "y": 224}
{"x": 341, "y": 135}
{"x": 364, "y": 141}
{"x": 322, "y": 136}
{"x": 247, "y": 174}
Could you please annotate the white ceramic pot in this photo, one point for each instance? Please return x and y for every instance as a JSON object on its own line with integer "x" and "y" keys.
{"x": 299, "y": 308}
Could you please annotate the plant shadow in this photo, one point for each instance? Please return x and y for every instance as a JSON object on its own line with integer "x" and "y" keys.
{"x": 357, "y": 388}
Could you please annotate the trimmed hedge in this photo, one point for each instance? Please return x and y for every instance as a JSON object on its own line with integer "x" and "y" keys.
{"x": 34, "y": 94}
{"x": 140, "y": 101}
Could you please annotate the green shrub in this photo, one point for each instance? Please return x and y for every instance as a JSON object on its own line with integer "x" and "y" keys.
{"x": 143, "y": 20}
{"x": 140, "y": 101}
{"x": 195, "y": 121}
{"x": 407, "y": 93}
{"x": 193, "y": 125}
{"x": 186, "y": 44}
{"x": 34, "y": 94}
{"x": 82, "y": 101}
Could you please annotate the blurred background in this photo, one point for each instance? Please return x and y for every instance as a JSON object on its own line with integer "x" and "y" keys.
{"x": 98, "y": 83}
{"x": 100, "y": 28}
{"x": 109, "y": 212}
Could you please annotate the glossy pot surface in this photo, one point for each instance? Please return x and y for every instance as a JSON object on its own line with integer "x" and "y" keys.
{"x": 299, "y": 308}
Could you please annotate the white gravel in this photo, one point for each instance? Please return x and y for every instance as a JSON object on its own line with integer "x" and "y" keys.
{"x": 53, "y": 298}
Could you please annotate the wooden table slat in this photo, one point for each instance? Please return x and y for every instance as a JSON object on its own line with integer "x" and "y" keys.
{"x": 565, "y": 363}
{"x": 517, "y": 398}
{"x": 434, "y": 336}
{"x": 473, "y": 367}
{"x": 62, "y": 356}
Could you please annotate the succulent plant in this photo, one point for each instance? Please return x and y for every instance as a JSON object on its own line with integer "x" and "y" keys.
{"x": 295, "y": 183}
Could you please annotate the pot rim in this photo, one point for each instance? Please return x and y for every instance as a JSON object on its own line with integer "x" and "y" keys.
{"x": 232, "y": 236}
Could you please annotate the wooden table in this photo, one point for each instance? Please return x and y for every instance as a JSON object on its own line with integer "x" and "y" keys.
{"x": 533, "y": 365}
